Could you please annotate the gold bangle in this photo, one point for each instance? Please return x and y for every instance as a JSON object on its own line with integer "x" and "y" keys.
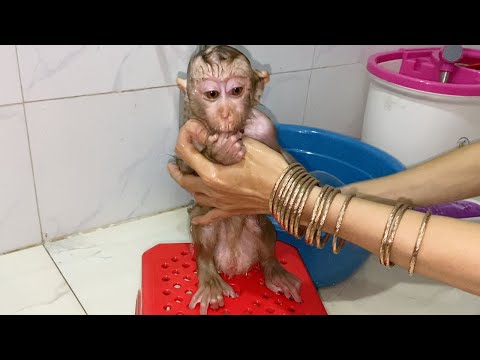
{"x": 420, "y": 236}
{"x": 336, "y": 248}
{"x": 299, "y": 231}
{"x": 277, "y": 184}
{"x": 310, "y": 231}
{"x": 284, "y": 184}
{"x": 290, "y": 197}
{"x": 388, "y": 246}
{"x": 286, "y": 198}
{"x": 279, "y": 197}
{"x": 322, "y": 240}
{"x": 318, "y": 214}
{"x": 386, "y": 232}
{"x": 293, "y": 213}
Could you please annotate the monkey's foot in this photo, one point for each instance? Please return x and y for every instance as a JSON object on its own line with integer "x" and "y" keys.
{"x": 280, "y": 280}
{"x": 211, "y": 293}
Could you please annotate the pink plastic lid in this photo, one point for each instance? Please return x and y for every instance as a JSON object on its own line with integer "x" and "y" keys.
{"x": 421, "y": 68}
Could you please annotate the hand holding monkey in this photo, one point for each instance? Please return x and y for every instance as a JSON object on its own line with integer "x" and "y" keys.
{"x": 224, "y": 148}
{"x": 228, "y": 190}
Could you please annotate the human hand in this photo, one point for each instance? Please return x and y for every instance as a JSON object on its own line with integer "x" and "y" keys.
{"x": 242, "y": 188}
{"x": 225, "y": 149}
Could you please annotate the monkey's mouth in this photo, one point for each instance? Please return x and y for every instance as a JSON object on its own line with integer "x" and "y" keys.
{"x": 230, "y": 130}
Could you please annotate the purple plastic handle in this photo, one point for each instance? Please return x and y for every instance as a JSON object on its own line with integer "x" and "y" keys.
{"x": 459, "y": 209}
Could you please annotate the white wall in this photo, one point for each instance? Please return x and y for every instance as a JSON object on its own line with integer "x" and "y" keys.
{"x": 86, "y": 131}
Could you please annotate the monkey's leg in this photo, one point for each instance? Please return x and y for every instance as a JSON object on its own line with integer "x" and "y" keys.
{"x": 211, "y": 287}
{"x": 277, "y": 278}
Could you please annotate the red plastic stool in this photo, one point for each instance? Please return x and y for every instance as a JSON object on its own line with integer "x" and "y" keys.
{"x": 169, "y": 280}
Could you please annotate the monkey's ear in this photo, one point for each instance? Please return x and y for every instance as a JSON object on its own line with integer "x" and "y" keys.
{"x": 264, "y": 79}
{"x": 182, "y": 84}
{"x": 264, "y": 76}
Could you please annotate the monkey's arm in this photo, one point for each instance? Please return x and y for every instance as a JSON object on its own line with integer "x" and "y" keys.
{"x": 260, "y": 127}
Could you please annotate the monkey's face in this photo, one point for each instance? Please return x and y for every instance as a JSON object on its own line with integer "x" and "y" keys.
{"x": 221, "y": 96}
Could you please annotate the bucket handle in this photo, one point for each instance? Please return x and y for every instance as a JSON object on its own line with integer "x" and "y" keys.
{"x": 402, "y": 54}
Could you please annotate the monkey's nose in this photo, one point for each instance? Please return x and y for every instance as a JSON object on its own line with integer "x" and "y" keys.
{"x": 225, "y": 114}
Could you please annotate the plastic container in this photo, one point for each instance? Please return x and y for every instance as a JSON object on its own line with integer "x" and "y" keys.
{"x": 169, "y": 280}
{"x": 414, "y": 116}
{"x": 336, "y": 160}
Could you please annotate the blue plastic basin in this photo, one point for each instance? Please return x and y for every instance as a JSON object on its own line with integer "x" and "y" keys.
{"x": 349, "y": 160}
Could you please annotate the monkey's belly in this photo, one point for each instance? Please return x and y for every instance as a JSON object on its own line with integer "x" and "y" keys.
{"x": 236, "y": 253}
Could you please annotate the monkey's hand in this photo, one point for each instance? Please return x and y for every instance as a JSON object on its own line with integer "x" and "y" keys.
{"x": 225, "y": 149}
{"x": 280, "y": 280}
{"x": 211, "y": 293}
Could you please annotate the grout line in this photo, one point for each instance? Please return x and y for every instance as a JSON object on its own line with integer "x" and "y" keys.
{"x": 63, "y": 276}
{"x": 306, "y": 98}
{"x": 289, "y": 72}
{"x": 100, "y": 93}
{"x": 138, "y": 89}
{"x": 313, "y": 68}
{"x": 313, "y": 56}
{"x": 334, "y": 66}
{"x": 308, "y": 89}
{"x": 29, "y": 147}
{"x": 10, "y": 104}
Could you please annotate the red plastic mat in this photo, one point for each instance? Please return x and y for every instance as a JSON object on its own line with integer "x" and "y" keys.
{"x": 169, "y": 280}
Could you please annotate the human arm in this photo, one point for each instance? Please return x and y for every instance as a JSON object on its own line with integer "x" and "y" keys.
{"x": 450, "y": 251}
{"x": 452, "y": 176}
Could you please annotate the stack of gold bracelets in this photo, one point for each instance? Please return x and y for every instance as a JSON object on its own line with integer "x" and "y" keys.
{"x": 288, "y": 200}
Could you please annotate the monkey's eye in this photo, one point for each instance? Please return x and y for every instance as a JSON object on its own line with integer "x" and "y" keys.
{"x": 237, "y": 91}
{"x": 212, "y": 94}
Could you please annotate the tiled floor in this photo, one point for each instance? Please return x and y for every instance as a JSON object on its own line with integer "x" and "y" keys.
{"x": 30, "y": 283}
{"x": 99, "y": 273}
{"x": 104, "y": 268}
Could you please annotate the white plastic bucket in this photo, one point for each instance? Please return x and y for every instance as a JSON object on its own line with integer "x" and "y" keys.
{"x": 411, "y": 114}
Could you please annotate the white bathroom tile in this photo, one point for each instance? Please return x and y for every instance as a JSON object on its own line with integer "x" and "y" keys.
{"x": 54, "y": 71}
{"x": 285, "y": 95}
{"x": 279, "y": 58}
{"x": 19, "y": 225}
{"x": 376, "y": 290}
{"x": 10, "y": 92}
{"x": 334, "y": 55}
{"x": 102, "y": 159}
{"x": 104, "y": 267}
{"x": 31, "y": 284}
{"x": 336, "y": 99}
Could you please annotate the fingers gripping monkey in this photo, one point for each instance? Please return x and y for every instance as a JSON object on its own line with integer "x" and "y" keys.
{"x": 221, "y": 90}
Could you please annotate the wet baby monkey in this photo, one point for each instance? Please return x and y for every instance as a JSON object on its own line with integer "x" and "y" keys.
{"x": 221, "y": 90}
